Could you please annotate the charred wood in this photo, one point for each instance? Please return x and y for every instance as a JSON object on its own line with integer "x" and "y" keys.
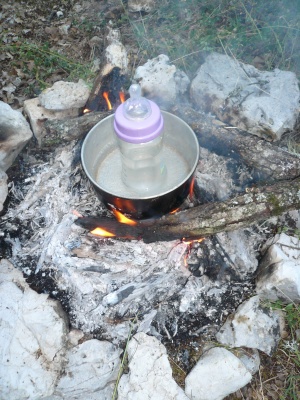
{"x": 268, "y": 161}
{"x": 110, "y": 80}
{"x": 255, "y": 205}
{"x": 60, "y": 131}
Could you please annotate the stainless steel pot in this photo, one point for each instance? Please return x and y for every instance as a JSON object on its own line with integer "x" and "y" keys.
{"x": 101, "y": 162}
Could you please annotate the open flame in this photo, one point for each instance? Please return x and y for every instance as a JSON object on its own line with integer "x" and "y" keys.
{"x": 102, "y": 232}
{"x": 86, "y": 110}
{"x": 122, "y": 97}
{"x": 105, "y": 95}
{"x": 120, "y": 218}
{"x": 191, "y": 191}
{"x": 174, "y": 211}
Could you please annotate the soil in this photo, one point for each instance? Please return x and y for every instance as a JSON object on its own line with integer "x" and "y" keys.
{"x": 64, "y": 27}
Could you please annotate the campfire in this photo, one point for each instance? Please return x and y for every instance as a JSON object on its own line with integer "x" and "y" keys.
{"x": 180, "y": 260}
{"x": 108, "y": 92}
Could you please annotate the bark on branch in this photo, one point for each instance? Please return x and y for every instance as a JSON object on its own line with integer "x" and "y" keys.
{"x": 269, "y": 162}
{"x": 239, "y": 212}
{"x": 60, "y": 131}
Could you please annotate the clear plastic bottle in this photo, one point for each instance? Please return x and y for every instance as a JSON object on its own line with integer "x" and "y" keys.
{"x": 139, "y": 128}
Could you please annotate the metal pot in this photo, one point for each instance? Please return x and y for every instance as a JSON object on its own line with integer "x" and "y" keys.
{"x": 101, "y": 162}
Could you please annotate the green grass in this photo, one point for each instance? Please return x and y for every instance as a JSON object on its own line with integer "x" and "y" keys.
{"x": 186, "y": 29}
{"x": 39, "y": 63}
{"x": 289, "y": 349}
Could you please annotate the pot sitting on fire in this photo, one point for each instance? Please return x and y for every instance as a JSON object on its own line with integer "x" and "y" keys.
{"x": 141, "y": 160}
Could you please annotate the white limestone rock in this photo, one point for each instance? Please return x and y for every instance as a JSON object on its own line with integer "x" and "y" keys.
{"x": 115, "y": 53}
{"x": 3, "y": 188}
{"x": 251, "y": 326}
{"x": 91, "y": 371}
{"x": 240, "y": 248}
{"x": 65, "y": 95}
{"x": 150, "y": 373}
{"x": 217, "y": 374}
{"x": 15, "y": 132}
{"x": 161, "y": 82}
{"x": 250, "y": 358}
{"x": 261, "y": 102}
{"x": 74, "y": 337}
{"x": 33, "y": 331}
{"x": 37, "y": 114}
{"x": 141, "y": 5}
{"x": 279, "y": 272}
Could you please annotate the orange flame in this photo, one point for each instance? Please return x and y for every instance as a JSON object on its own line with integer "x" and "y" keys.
{"x": 192, "y": 241}
{"x": 174, "y": 211}
{"x": 191, "y": 192}
{"x": 122, "y": 97}
{"x": 102, "y": 232}
{"x": 86, "y": 110}
{"x": 122, "y": 219}
{"x": 105, "y": 95}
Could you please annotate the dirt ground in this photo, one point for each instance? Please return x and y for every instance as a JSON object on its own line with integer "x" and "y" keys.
{"x": 35, "y": 33}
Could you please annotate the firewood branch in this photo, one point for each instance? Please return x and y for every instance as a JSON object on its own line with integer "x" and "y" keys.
{"x": 255, "y": 205}
{"x": 60, "y": 131}
{"x": 268, "y": 161}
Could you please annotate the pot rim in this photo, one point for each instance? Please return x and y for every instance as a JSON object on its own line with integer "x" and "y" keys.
{"x": 158, "y": 195}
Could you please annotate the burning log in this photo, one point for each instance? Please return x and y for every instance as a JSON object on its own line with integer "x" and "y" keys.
{"x": 106, "y": 90}
{"x": 268, "y": 161}
{"x": 107, "y": 93}
{"x": 60, "y": 131}
{"x": 256, "y": 204}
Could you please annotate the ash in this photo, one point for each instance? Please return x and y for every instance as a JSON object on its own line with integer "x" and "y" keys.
{"x": 176, "y": 291}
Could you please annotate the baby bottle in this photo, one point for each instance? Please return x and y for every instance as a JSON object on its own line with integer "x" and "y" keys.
{"x": 139, "y": 127}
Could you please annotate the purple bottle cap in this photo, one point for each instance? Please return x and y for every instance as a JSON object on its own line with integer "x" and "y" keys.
{"x": 138, "y": 120}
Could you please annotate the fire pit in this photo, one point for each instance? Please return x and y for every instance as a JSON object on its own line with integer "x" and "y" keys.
{"x": 101, "y": 161}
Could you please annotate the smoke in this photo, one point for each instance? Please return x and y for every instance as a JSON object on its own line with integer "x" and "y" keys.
{"x": 262, "y": 33}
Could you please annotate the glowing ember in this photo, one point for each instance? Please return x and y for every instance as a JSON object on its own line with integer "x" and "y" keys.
{"x": 174, "y": 211}
{"x": 102, "y": 232}
{"x": 122, "y": 219}
{"x": 105, "y": 95}
{"x": 122, "y": 97}
{"x": 192, "y": 241}
{"x": 189, "y": 244}
{"x": 77, "y": 214}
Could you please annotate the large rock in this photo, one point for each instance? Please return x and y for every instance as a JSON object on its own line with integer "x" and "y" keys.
{"x": 161, "y": 81}
{"x": 260, "y": 102}
{"x": 38, "y": 114}
{"x": 251, "y": 326}
{"x": 115, "y": 53}
{"x": 240, "y": 247}
{"x": 91, "y": 371}
{"x": 217, "y": 374}
{"x": 279, "y": 272}
{"x": 15, "y": 132}
{"x": 150, "y": 373}
{"x": 65, "y": 95}
{"x": 33, "y": 332}
{"x": 3, "y": 188}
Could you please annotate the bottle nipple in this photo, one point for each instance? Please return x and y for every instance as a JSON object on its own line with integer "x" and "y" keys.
{"x": 136, "y": 107}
